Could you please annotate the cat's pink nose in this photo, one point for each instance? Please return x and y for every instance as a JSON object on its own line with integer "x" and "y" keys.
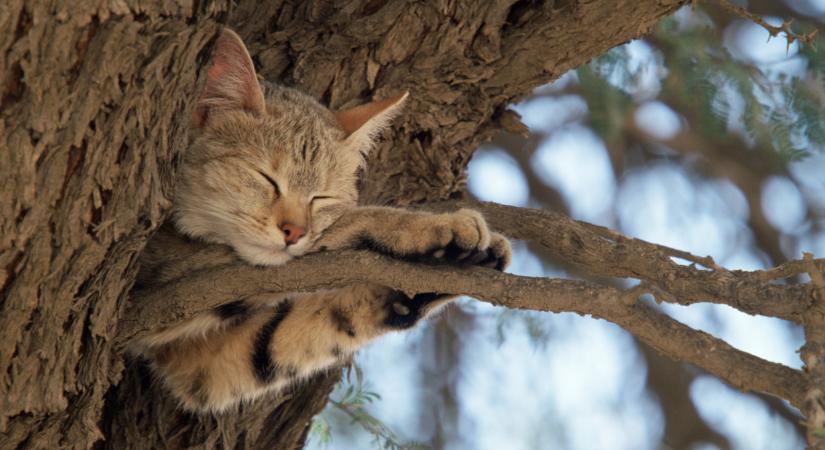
{"x": 292, "y": 233}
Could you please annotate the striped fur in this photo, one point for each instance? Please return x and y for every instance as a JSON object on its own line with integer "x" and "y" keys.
{"x": 275, "y": 345}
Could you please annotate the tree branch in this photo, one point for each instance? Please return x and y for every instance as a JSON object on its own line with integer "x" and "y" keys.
{"x": 807, "y": 38}
{"x": 813, "y": 355}
{"x": 212, "y": 287}
{"x": 596, "y": 250}
{"x": 602, "y": 251}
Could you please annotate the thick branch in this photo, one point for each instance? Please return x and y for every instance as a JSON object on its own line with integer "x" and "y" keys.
{"x": 212, "y": 287}
{"x": 599, "y": 251}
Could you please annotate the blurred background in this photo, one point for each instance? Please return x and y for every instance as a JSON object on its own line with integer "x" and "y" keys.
{"x": 705, "y": 136}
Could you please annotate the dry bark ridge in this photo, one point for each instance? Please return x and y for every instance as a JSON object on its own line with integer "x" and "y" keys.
{"x": 813, "y": 355}
{"x": 91, "y": 100}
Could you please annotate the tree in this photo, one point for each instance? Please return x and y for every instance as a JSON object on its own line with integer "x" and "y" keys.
{"x": 92, "y": 100}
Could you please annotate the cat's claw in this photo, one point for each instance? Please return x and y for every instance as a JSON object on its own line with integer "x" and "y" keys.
{"x": 496, "y": 256}
{"x": 499, "y": 253}
{"x": 471, "y": 242}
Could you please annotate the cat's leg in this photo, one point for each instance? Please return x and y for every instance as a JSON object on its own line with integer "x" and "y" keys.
{"x": 264, "y": 347}
{"x": 459, "y": 237}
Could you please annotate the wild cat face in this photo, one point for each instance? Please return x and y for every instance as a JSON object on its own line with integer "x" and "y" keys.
{"x": 269, "y": 169}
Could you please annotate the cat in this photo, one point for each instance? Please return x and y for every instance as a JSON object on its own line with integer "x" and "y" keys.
{"x": 272, "y": 174}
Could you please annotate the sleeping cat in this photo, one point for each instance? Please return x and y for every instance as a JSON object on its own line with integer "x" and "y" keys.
{"x": 272, "y": 174}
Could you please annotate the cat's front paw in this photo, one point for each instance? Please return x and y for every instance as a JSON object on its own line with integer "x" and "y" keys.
{"x": 498, "y": 254}
{"x": 455, "y": 236}
{"x": 462, "y": 238}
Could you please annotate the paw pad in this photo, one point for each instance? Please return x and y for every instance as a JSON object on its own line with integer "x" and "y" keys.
{"x": 400, "y": 308}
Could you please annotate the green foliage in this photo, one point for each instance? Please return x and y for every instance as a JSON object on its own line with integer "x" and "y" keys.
{"x": 320, "y": 429}
{"x": 608, "y": 105}
{"x": 705, "y": 82}
{"x": 810, "y": 112}
{"x": 353, "y": 397}
{"x": 779, "y": 118}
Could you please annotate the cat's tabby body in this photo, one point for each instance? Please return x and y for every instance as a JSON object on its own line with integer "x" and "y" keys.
{"x": 272, "y": 174}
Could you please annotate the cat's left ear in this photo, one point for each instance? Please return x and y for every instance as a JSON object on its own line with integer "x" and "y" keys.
{"x": 231, "y": 83}
{"x": 363, "y": 123}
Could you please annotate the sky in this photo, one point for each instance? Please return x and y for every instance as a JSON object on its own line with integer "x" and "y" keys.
{"x": 528, "y": 380}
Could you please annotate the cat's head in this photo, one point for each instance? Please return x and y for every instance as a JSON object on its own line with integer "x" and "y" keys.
{"x": 269, "y": 168}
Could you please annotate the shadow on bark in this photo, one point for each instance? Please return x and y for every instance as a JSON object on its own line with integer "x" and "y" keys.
{"x": 140, "y": 414}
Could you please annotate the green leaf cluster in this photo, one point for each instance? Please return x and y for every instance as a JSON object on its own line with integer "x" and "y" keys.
{"x": 352, "y": 398}
{"x": 780, "y": 118}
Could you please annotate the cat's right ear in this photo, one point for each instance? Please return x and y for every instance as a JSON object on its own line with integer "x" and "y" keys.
{"x": 231, "y": 83}
{"x": 363, "y": 123}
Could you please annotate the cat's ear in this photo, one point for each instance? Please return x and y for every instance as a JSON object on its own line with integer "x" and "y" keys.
{"x": 363, "y": 123}
{"x": 231, "y": 83}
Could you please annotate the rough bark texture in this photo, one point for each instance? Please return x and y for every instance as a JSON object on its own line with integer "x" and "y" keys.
{"x": 89, "y": 135}
{"x": 812, "y": 355}
{"x": 94, "y": 97}
{"x": 141, "y": 415}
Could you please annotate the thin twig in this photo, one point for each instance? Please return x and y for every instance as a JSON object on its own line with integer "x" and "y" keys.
{"x": 817, "y": 280}
{"x": 706, "y": 261}
{"x": 807, "y": 38}
{"x": 790, "y": 269}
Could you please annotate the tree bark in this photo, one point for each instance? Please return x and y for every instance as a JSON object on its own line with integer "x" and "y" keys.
{"x": 93, "y": 97}
{"x": 89, "y": 132}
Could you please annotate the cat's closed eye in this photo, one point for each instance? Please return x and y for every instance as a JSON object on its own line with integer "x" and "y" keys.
{"x": 274, "y": 184}
{"x": 317, "y": 201}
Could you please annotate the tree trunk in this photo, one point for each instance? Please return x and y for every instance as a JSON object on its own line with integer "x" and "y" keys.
{"x": 93, "y": 105}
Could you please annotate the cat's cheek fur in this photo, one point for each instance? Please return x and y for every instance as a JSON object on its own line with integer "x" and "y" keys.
{"x": 261, "y": 256}
{"x": 300, "y": 248}
{"x": 271, "y": 255}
